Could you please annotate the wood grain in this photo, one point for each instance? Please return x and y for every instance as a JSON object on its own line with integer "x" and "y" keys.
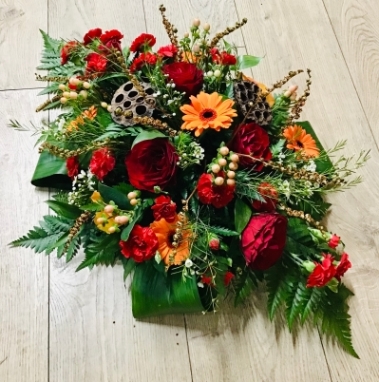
{"x": 355, "y": 24}
{"x": 20, "y": 45}
{"x": 23, "y": 274}
{"x": 304, "y": 38}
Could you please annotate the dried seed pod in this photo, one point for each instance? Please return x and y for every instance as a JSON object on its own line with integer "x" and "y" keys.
{"x": 127, "y": 103}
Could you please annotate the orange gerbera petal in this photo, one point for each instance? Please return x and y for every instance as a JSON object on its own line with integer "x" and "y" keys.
{"x": 90, "y": 113}
{"x": 165, "y": 232}
{"x": 207, "y": 111}
{"x": 298, "y": 140}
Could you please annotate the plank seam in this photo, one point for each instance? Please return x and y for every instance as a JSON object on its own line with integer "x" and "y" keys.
{"x": 350, "y": 75}
{"x": 326, "y": 359}
{"x": 20, "y": 89}
{"x": 188, "y": 350}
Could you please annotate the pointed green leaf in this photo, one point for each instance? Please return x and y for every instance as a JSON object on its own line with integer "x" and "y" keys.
{"x": 118, "y": 197}
{"x": 63, "y": 209}
{"x": 247, "y": 61}
{"x": 147, "y": 135}
{"x": 242, "y": 215}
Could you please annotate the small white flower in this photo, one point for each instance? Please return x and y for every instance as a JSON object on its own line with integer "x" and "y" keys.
{"x": 188, "y": 263}
{"x": 200, "y": 285}
{"x": 311, "y": 166}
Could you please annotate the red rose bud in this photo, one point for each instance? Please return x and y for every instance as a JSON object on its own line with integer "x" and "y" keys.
{"x": 142, "y": 244}
{"x": 343, "y": 266}
{"x": 186, "y": 77}
{"x": 143, "y": 40}
{"x": 214, "y": 243}
{"x": 165, "y": 208}
{"x": 263, "y": 240}
{"x": 334, "y": 241}
{"x": 92, "y": 35}
{"x": 72, "y": 164}
{"x": 322, "y": 273}
{"x": 152, "y": 163}
{"x": 210, "y": 193}
{"x": 270, "y": 195}
{"x": 101, "y": 163}
{"x": 229, "y": 276}
{"x": 253, "y": 140}
{"x": 67, "y": 50}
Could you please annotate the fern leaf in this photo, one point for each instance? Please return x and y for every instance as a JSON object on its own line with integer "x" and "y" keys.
{"x": 73, "y": 248}
{"x": 38, "y": 239}
{"x": 313, "y": 303}
{"x": 223, "y": 231}
{"x": 336, "y": 320}
{"x": 296, "y": 302}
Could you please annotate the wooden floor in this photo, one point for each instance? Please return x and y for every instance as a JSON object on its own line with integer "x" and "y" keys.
{"x": 60, "y": 326}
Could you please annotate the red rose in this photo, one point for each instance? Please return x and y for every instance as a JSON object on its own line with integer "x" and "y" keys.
{"x": 209, "y": 193}
{"x": 67, "y": 50}
{"x": 167, "y": 51}
{"x": 229, "y": 276}
{"x": 165, "y": 208}
{"x": 143, "y": 40}
{"x": 152, "y": 163}
{"x": 72, "y": 165}
{"x": 263, "y": 240}
{"x": 112, "y": 39}
{"x": 141, "y": 245}
{"x": 101, "y": 163}
{"x": 334, "y": 241}
{"x": 251, "y": 139}
{"x": 270, "y": 195}
{"x": 96, "y": 63}
{"x": 186, "y": 76}
{"x": 143, "y": 59}
{"x": 322, "y": 273}
{"x": 343, "y": 266}
{"x": 92, "y": 35}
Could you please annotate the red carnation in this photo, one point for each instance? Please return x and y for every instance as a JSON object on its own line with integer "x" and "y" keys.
{"x": 67, "y": 50}
{"x": 143, "y": 40}
{"x": 143, "y": 59}
{"x": 72, "y": 164}
{"x": 92, "y": 35}
{"x": 251, "y": 139}
{"x": 215, "y": 54}
{"x": 112, "y": 39}
{"x": 334, "y": 241}
{"x": 209, "y": 193}
{"x": 141, "y": 245}
{"x": 343, "y": 266}
{"x": 263, "y": 240}
{"x": 186, "y": 76}
{"x": 152, "y": 163}
{"x": 96, "y": 63}
{"x": 102, "y": 162}
{"x": 227, "y": 59}
{"x": 270, "y": 195}
{"x": 322, "y": 273}
{"x": 167, "y": 51}
{"x": 229, "y": 276}
{"x": 165, "y": 208}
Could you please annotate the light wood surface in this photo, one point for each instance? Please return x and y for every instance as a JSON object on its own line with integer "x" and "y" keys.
{"x": 60, "y": 326}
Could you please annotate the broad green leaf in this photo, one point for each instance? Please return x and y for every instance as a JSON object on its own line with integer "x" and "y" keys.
{"x": 63, "y": 209}
{"x": 129, "y": 265}
{"x": 247, "y": 61}
{"x": 126, "y": 231}
{"x": 51, "y": 172}
{"x": 242, "y": 215}
{"x": 118, "y": 197}
{"x": 153, "y": 294}
{"x": 147, "y": 135}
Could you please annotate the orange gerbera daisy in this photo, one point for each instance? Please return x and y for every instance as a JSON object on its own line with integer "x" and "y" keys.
{"x": 299, "y": 140}
{"x": 207, "y": 110}
{"x": 165, "y": 232}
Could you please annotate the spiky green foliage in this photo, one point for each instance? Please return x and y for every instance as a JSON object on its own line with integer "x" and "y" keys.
{"x": 45, "y": 238}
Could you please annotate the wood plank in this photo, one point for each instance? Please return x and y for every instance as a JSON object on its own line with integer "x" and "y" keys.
{"x": 93, "y": 334}
{"x": 355, "y": 24}
{"x": 298, "y": 35}
{"x": 23, "y": 274}
{"x": 20, "y": 43}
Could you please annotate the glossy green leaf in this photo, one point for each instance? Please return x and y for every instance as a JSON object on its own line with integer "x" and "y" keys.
{"x": 246, "y": 61}
{"x": 147, "y": 135}
{"x": 153, "y": 294}
{"x": 118, "y": 197}
{"x": 242, "y": 215}
{"x": 63, "y": 209}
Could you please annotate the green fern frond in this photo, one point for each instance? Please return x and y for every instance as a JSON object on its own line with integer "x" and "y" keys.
{"x": 222, "y": 231}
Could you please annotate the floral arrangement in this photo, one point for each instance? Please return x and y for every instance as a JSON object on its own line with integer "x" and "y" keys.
{"x": 192, "y": 175}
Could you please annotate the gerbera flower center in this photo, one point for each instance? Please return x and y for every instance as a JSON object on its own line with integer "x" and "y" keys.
{"x": 208, "y": 114}
{"x": 300, "y": 144}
